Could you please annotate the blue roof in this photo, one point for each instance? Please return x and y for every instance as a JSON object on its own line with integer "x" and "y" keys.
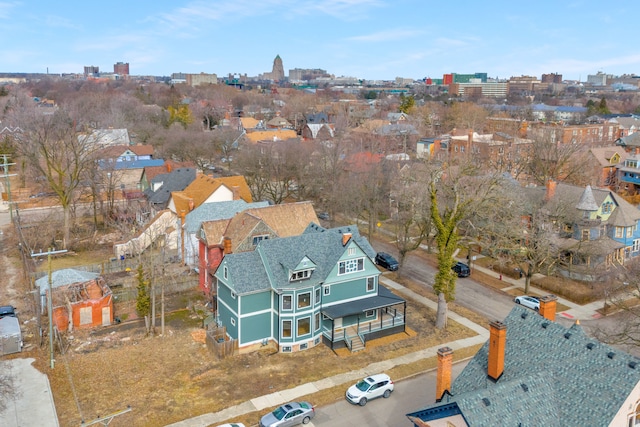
{"x": 217, "y": 210}
{"x": 132, "y": 164}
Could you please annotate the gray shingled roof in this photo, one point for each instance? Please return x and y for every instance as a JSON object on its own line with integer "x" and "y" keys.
{"x": 273, "y": 259}
{"x": 67, "y": 276}
{"x": 217, "y": 210}
{"x": 587, "y": 202}
{"x": 176, "y": 180}
{"x": 569, "y": 378}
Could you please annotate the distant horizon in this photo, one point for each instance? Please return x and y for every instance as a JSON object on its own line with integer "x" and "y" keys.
{"x": 365, "y": 39}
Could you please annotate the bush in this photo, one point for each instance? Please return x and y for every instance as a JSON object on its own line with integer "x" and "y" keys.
{"x": 578, "y": 292}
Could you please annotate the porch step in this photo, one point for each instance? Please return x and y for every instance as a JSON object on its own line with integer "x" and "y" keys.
{"x": 356, "y": 342}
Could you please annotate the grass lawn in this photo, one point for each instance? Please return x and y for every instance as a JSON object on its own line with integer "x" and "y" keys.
{"x": 168, "y": 379}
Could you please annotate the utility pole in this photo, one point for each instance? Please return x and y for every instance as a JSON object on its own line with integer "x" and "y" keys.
{"x": 49, "y": 299}
{"x": 8, "y": 183}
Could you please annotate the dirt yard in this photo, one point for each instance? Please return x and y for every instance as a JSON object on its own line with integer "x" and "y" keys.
{"x": 171, "y": 378}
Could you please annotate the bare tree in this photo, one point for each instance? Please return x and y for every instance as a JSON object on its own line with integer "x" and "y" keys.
{"x": 410, "y": 207}
{"x": 54, "y": 148}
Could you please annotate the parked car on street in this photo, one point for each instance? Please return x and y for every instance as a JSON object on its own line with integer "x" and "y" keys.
{"x": 528, "y": 301}
{"x": 461, "y": 269}
{"x": 232, "y": 425}
{"x": 289, "y": 414}
{"x": 379, "y": 385}
{"x": 387, "y": 261}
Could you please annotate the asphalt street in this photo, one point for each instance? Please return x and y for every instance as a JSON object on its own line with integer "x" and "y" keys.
{"x": 409, "y": 395}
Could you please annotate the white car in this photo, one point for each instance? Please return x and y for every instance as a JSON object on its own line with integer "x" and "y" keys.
{"x": 232, "y": 425}
{"x": 528, "y": 301}
{"x": 379, "y": 385}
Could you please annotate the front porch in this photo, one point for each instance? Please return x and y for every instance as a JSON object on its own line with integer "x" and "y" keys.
{"x": 352, "y": 324}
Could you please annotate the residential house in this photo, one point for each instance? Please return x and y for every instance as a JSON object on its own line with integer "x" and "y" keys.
{"x": 595, "y": 227}
{"x": 107, "y": 137}
{"x": 627, "y": 125}
{"x": 123, "y": 165}
{"x": 168, "y": 224}
{"x": 222, "y": 210}
{"x": 158, "y": 186}
{"x": 497, "y": 151}
{"x": 295, "y": 292}
{"x": 244, "y": 231}
{"x": 80, "y": 299}
{"x": 628, "y": 173}
{"x": 533, "y": 371}
{"x": 631, "y": 143}
{"x": 320, "y": 131}
{"x": 603, "y": 163}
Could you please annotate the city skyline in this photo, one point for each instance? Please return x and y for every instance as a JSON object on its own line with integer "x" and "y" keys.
{"x": 368, "y": 39}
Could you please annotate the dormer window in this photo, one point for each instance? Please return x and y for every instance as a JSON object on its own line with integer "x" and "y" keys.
{"x": 258, "y": 239}
{"x": 300, "y": 275}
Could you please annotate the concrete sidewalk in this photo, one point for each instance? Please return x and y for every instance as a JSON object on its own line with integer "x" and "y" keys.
{"x": 347, "y": 378}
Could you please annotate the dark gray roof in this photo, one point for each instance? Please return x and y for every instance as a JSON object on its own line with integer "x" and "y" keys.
{"x": 176, "y": 180}
{"x": 553, "y": 376}
{"x": 273, "y": 259}
{"x": 384, "y": 298}
{"x": 217, "y": 210}
{"x": 632, "y": 140}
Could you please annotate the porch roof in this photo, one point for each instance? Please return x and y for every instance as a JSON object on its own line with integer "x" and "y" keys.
{"x": 384, "y": 298}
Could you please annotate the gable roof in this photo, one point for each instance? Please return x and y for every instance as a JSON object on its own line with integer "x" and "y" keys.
{"x": 632, "y": 140}
{"x": 176, "y": 180}
{"x": 214, "y": 211}
{"x": 284, "y": 220}
{"x": 169, "y": 166}
{"x": 272, "y": 261}
{"x": 271, "y": 135}
{"x": 603, "y": 155}
{"x": 550, "y": 372}
{"x": 203, "y": 186}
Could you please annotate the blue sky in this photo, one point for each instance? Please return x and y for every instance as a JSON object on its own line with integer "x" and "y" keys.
{"x": 370, "y": 39}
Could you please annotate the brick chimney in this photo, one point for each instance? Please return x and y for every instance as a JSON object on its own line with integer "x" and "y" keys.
{"x": 191, "y": 205}
{"x": 548, "y": 307}
{"x": 497, "y": 345}
{"x": 443, "y": 375}
{"x": 169, "y": 166}
{"x": 551, "y": 189}
{"x": 235, "y": 190}
{"x": 345, "y": 238}
{"x": 226, "y": 245}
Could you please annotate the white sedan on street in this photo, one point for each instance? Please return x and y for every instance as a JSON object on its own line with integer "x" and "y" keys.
{"x": 528, "y": 301}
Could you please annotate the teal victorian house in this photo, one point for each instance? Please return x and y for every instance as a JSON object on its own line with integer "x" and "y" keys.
{"x": 294, "y": 292}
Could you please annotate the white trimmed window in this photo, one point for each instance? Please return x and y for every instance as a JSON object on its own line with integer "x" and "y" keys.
{"x": 636, "y": 245}
{"x": 371, "y": 284}
{"x": 258, "y": 239}
{"x": 286, "y": 302}
{"x": 351, "y": 266}
{"x": 317, "y": 322}
{"x": 299, "y": 275}
{"x": 286, "y": 329}
{"x": 326, "y": 291}
{"x": 304, "y": 300}
{"x": 304, "y": 326}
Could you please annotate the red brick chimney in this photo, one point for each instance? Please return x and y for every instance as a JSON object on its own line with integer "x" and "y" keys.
{"x": 191, "y": 205}
{"x": 235, "y": 190}
{"x": 497, "y": 345}
{"x": 548, "y": 307}
{"x": 226, "y": 245}
{"x": 443, "y": 376}
{"x": 551, "y": 189}
{"x": 345, "y": 238}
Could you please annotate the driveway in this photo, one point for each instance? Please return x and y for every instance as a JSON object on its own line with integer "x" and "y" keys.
{"x": 32, "y": 404}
